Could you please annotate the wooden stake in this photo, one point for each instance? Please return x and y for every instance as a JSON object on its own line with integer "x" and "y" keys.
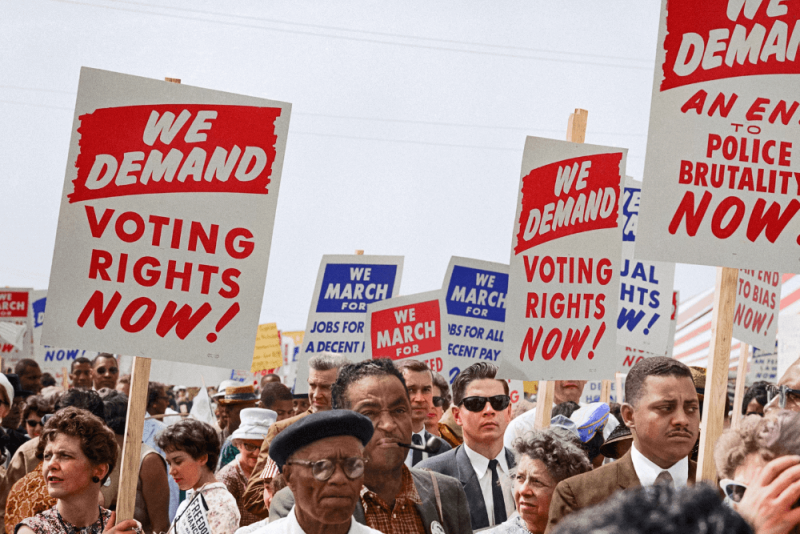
{"x": 741, "y": 378}
{"x": 359, "y": 252}
{"x": 717, "y": 373}
{"x": 64, "y": 378}
{"x": 544, "y": 404}
{"x": 132, "y": 447}
{"x": 605, "y": 391}
{"x": 576, "y": 126}
{"x": 620, "y": 393}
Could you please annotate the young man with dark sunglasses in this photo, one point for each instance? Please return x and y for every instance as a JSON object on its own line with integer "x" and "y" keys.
{"x": 419, "y": 382}
{"x": 482, "y": 407}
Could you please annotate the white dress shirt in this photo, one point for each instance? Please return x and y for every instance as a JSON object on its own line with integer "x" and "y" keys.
{"x": 289, "y": 525}
{"x": 647, "y": 471}
{"x": 410, "y": 455}
{"x": 480, "y": 464}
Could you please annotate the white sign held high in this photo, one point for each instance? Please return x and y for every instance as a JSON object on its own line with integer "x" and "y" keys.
{"x": 758, "y": 302}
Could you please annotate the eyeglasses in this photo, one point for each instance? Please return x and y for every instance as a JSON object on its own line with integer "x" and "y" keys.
{"x": 476, "y": 404}
{"x": 783, "y": 393}
{"x": 34, "y": 423}
{"x": 249, "y": 447}
{"x": 324, "y": 469}
{"x": 438, "y": 402}
{"x": 111, "y": 370}
{"x": 734, "y": 490}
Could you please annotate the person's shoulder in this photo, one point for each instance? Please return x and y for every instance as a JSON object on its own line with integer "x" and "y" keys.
{"x": 440, "y": 461}
{"x": 29, "y": 447}
{"x": 596, "y": 480}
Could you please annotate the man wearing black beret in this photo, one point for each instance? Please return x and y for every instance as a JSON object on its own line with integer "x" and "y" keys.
{"x": 322, "y": 460}
{"x": 394, "y": 498}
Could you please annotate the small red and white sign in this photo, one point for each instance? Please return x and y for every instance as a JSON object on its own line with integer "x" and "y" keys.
{"x": 563, "y": 290}
{"x": 758, "y": 302}
{"x": 166, "y": 221}
{"x": 16, "y": 325}
{"x": 721, "y": 178}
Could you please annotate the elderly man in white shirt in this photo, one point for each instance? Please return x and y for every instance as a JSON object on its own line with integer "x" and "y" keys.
{"x": 322, "y": 460}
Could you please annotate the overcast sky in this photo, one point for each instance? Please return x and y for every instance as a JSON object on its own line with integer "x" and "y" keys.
{"x": 408, "y": 118}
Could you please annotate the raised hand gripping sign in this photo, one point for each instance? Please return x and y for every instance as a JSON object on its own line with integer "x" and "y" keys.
{"x": 166, "y": 220}
{"x": 475, "y": 298}
{"x": 721, "y": 180}
{"x": 563, "y": 287}
{"x": 645, "y": 291}
{"x": 345, "y": 287}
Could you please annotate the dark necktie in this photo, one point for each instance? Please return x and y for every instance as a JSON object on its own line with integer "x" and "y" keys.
{"x": 497, "y": 495}
{"x": 664, "y": 478}
{"x": 416, "y": 456}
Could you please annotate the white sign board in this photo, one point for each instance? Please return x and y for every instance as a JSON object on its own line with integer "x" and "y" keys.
{"x": 645, "y": 286}
{"x": 763, "y": 366}
{"x": 627, "y": 357}
{"x": 723, "y": 149}
{"x": 758, "y": 303}
{"x": 16, "y": 325}
{"x": 166, "y": 220}
{"x": 563, "y": 286}
{"x": 410, "y": 327}
{"x": 345, "y": 286}
{"x": 788, "y": 342}
{"x": 475, "y": 298}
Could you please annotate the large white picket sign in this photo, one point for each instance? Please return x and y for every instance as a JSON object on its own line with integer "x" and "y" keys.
{"x": 345, "y": 286}
{"x": 166, "y": 220}
{"x": 758, "y": 303}
{"x": 645, "y": 286}
{"x": 563, "y": 287}
{"x": 16, "y": 325}
{"x": 723, "y": 151}
{"x": 475, "y": 298}
{"x": 627, "y": 357}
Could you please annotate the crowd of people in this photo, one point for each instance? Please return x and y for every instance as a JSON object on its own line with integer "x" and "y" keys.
{"x": 391, "y": 447}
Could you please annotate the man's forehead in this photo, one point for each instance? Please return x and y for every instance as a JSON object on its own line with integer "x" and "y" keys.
{"x": 385, "y": 388}
{"x": 677, "y": 388}
{"x": 417, "y": 378}
{"x": 105, "y": 360}
{"x": 484, "y": 385}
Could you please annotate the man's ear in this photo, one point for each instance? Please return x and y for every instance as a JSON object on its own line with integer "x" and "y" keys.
{"x": 626, "y": 412}
{"x": 287, "y": 475}
{"x": 457, "y": 415}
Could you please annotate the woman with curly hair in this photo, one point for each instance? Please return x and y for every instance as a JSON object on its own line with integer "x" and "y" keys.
{"x": 544, "y": 458}
{"x": 192, "y": 449}
{"x": 36, "y": 407}
{"x": 78, "y": 453}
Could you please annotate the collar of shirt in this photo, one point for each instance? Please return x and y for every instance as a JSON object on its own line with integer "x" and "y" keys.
{"x": 480, "y": 463}
{"x": 408, "y": 491}
{"x": 647, "y": 471}
{"x": 292, "y": 525}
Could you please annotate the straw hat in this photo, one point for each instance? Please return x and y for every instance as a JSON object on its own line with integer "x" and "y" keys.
{"x": 225, "y": 384}
{"x": 620, "y": 434}
{"x": 239, "y": 395}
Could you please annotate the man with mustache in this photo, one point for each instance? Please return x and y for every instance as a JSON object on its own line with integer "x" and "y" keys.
{"x": 394, "y": 498}
{"x": 482, "y": 407}
{"x": 662, "y": 412}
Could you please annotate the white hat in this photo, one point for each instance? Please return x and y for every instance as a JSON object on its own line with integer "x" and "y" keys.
{"x": 9, "y": 388}
{"x": 178, "y": 388}
{"x": 255, "y": 423}
{"x": 225, "y": 384}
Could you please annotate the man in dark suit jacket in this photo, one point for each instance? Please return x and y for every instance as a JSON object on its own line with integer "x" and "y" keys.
{"x": 481, "y": 406}
{"x": 662, "y": 410}
{"x": 392, "y": 492}
{"x": 419, "y": 383}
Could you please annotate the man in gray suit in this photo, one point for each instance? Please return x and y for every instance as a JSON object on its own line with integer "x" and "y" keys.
{"x": 419, "y": 382}
{"x": 482, "y": 407}
{"x": 394, "y": 497}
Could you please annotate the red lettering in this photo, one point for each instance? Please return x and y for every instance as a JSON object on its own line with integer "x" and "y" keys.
{"x": 687, "y": 209}
{"x": 772, "y": 220}
{"x": 244, "y": 248}
{"x": 95, "y": 227}
{"x": 95, "y": 306}
{"x": 119, "y": 226}
{"x": 99, "y": 263}
{"x": 228, "y": 278}
{"x": 141, "y": 303}
{"x": 184, "y": 319}
{"x": 721, "y": 212}
{"x": 209, "y": 241}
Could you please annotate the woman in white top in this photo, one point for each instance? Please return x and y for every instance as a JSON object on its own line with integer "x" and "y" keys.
{"x": 192, "y": 449}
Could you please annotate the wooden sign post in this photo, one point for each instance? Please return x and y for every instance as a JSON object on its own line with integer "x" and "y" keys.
{"x": 576, "y": 133}
{"x": 64, "y": 378}
{"x": 717, "y": 373}
{"x": 620, "y": 393}
{"x": 132, "y": 447}
{"x": 741, "y": 378}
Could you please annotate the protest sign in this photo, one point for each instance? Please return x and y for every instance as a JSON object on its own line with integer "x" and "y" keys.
{"x": 563, "y": 287}
{"x": 291, "y": 343}
{"x": 645, "y": 286}
{"x": 763, "y": 365}
{"x": 51, "y": 359}
{"x": 409, "y": 327}
{"x": 16, "y": 325}
{"x": 166, "y": 220}
{"x": 267, "y": 353}
{"x": 720, "y": 186}
{"x": 627, "y": 357}
{"x": 592, "y": 392}
{"x": 758, "y": 302}
{"x": 194, "y": 518}
{"x": 345, "y": 286}
{"x": 475, "y": 299}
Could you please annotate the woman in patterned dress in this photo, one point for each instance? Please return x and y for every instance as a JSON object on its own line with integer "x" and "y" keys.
{"x": 78, "y": 453}
{"x": 192, "y": 449}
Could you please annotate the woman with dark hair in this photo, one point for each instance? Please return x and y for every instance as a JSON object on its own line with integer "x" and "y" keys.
{"x": 755, "y": 399}
{"x": 192, "y": 449}
{"x": 36, "y": 407}
{"x": 78, "y": 453}
{"x": 544, "y": 458}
